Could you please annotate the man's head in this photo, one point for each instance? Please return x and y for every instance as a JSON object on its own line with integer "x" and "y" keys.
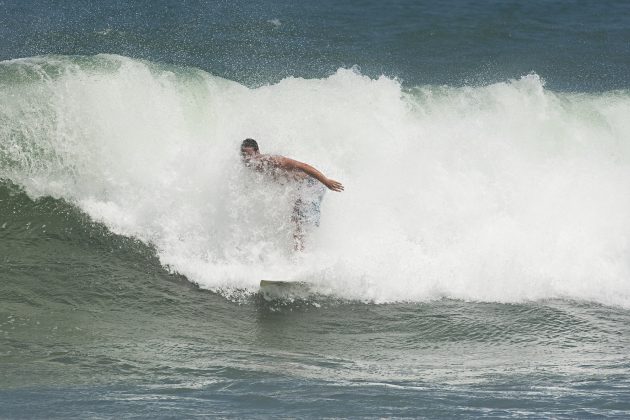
{"x": 249, "y": 148}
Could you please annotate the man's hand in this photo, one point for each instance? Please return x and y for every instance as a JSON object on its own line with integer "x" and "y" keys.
{"x": 333, "y": 185}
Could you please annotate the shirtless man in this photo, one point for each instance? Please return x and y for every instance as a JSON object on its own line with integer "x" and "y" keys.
{"x": 310, "y": 185}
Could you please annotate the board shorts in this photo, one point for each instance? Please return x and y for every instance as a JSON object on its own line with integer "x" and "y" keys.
{"x": 306, "y": 209}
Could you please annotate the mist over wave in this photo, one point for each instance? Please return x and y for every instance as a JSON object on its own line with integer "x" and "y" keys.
{"x": 506, "y": 192}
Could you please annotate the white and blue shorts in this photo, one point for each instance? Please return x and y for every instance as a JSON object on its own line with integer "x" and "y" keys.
{"x": 307, "y": 207}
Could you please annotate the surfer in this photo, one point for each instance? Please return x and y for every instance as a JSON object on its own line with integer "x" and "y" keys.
{"x": 310, "y": 182}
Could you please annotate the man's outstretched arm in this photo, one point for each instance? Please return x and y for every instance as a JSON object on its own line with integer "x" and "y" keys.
{"x": 291, "y": 164}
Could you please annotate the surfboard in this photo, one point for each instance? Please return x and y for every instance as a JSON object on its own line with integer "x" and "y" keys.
{"x": 283, "y": 289}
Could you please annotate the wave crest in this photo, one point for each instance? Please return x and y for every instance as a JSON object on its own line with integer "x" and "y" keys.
{"x": 506, "y": 192}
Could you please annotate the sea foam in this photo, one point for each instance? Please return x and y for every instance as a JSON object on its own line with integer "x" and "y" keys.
{"x": 501, "y": 193}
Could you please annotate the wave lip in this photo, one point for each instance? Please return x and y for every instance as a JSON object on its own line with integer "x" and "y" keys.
{"x": 505, "y": 193}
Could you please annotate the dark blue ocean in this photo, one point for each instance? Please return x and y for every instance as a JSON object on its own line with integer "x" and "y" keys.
{"x": 476, "y": 265}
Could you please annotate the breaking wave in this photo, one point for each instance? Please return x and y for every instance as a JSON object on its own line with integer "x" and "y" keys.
{"x": 504, "y": 193}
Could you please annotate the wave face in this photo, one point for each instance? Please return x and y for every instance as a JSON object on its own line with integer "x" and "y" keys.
{"x": 505, "y": 193}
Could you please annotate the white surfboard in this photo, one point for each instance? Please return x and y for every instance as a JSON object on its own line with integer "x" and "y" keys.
{"x": 282, "y": 289}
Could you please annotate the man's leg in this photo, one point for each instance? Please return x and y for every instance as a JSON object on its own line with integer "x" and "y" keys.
{"x": 298, "y": 230}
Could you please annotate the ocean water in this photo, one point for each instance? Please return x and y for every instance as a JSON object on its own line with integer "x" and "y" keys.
{"x": 477, "y": 264}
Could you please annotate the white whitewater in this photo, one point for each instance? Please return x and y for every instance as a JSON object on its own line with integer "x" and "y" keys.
{"x": 501, "y": 193}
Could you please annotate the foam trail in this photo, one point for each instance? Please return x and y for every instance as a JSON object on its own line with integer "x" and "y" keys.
{"x": 504, "y": 193}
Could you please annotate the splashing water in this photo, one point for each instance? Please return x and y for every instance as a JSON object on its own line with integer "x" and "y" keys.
{"x": 507, "y": 192}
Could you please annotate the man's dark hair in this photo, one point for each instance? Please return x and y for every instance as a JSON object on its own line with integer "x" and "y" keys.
{"x": 249, "y": 143}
